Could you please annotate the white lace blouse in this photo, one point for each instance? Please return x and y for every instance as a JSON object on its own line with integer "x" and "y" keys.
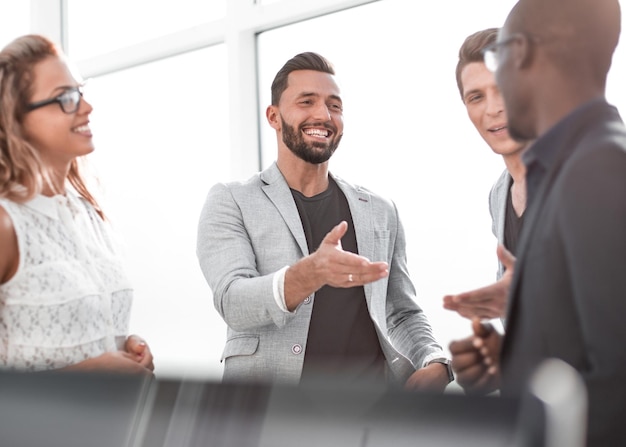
{"x": 70, "y": 298}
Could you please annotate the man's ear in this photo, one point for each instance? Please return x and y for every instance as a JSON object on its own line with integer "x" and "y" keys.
{"x": 271, "y": 113}
{"x": 524, "y": 52}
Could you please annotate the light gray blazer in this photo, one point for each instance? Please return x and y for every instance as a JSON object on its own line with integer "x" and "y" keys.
{"x": 497, "y": 209}
{"x": 250, "y": 230}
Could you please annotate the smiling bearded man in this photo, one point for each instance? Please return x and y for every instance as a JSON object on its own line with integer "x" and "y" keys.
{"x": 294, "y": 141}
{"x": 308, "y": 271}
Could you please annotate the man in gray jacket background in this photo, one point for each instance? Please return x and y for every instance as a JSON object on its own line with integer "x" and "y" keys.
{"x": 507, "y": 198}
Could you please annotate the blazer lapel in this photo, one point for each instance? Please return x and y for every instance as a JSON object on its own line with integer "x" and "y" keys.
{"x": 532, "y": 215}
{"x": 277, "y": 190}
{"x": 363, "y": 213}
{"x": 502, "y": 195}
{"x": 595, "y": 112}
{"x": 530, "y": 220}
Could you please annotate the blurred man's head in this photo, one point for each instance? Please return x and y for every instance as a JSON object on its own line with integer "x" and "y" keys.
{"x": 551, "y": 56}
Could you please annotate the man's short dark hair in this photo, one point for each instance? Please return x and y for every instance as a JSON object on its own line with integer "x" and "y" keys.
{"x": 302, "y": 61}
{"x": 471, "y": 51}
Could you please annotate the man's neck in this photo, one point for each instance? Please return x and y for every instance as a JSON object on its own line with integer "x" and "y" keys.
{"x": 307, "y": 178}
{"x": 517, "y": 170}
{"x": 515, "y": 166}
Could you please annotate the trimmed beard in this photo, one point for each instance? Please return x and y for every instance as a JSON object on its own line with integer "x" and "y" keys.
{"x": 306, "y": 151}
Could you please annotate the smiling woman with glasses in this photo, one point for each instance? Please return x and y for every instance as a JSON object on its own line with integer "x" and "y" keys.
{"x": 65, "y": 299}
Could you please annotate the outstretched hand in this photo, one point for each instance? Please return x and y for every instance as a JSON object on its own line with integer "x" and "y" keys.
{"x": 330, "y": 265}
{"x": 489, "y": 301}
{"x": 341, "y": 268}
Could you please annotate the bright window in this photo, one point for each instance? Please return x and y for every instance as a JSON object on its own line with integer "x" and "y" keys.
{"x": 14, "y": 20}
{"x": 100, "y": 27}
{"x": 159, "y": 131}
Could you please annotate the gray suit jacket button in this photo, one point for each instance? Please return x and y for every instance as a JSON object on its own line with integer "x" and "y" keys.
{"x": 307, "y": 300}
{"x": 296, "y": 349}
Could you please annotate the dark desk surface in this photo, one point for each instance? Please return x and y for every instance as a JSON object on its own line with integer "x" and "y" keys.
{"x": 70, "y": 409}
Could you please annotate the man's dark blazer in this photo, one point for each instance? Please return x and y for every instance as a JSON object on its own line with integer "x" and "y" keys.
{"x": 568, "y": 297}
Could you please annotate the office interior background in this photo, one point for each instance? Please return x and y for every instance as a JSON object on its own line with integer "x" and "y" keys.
{"x": 179, "y": 91}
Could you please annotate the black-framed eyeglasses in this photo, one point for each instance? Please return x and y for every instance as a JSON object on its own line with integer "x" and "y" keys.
{"x": 490, "y": 52}
{"x": 69, "y": 100}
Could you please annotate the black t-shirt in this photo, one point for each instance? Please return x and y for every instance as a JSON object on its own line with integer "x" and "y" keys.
{"x": 342, "y": 340}
{"x": 512, "y": 225}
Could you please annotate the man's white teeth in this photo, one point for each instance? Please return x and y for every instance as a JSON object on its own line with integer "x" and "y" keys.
{"x": 316, "y": 132}
{"x": 83, "y": 128}
{"x": 498, "y": 128}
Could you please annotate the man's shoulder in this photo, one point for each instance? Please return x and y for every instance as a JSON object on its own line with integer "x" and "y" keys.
{"x": 254, "y": 181}
{"x": 503, "y": 180}
{"x": 600, "y": 149}
{"x": 500, "y": 186}
{"x": 361, "y": 191}
{"x": 599, "y": 127}
{"x": 236, "y": 190}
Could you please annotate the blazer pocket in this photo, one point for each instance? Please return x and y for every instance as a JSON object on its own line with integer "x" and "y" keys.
{"x": 382, "y": 245}
{"x": 382, "y": 234}
{"x": 241, "y": 345}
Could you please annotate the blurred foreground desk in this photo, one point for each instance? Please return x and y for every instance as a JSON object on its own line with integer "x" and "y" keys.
{"x": 68, "y": 410}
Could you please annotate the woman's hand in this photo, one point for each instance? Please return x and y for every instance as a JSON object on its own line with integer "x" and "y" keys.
{"x": 139, "y": 349}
